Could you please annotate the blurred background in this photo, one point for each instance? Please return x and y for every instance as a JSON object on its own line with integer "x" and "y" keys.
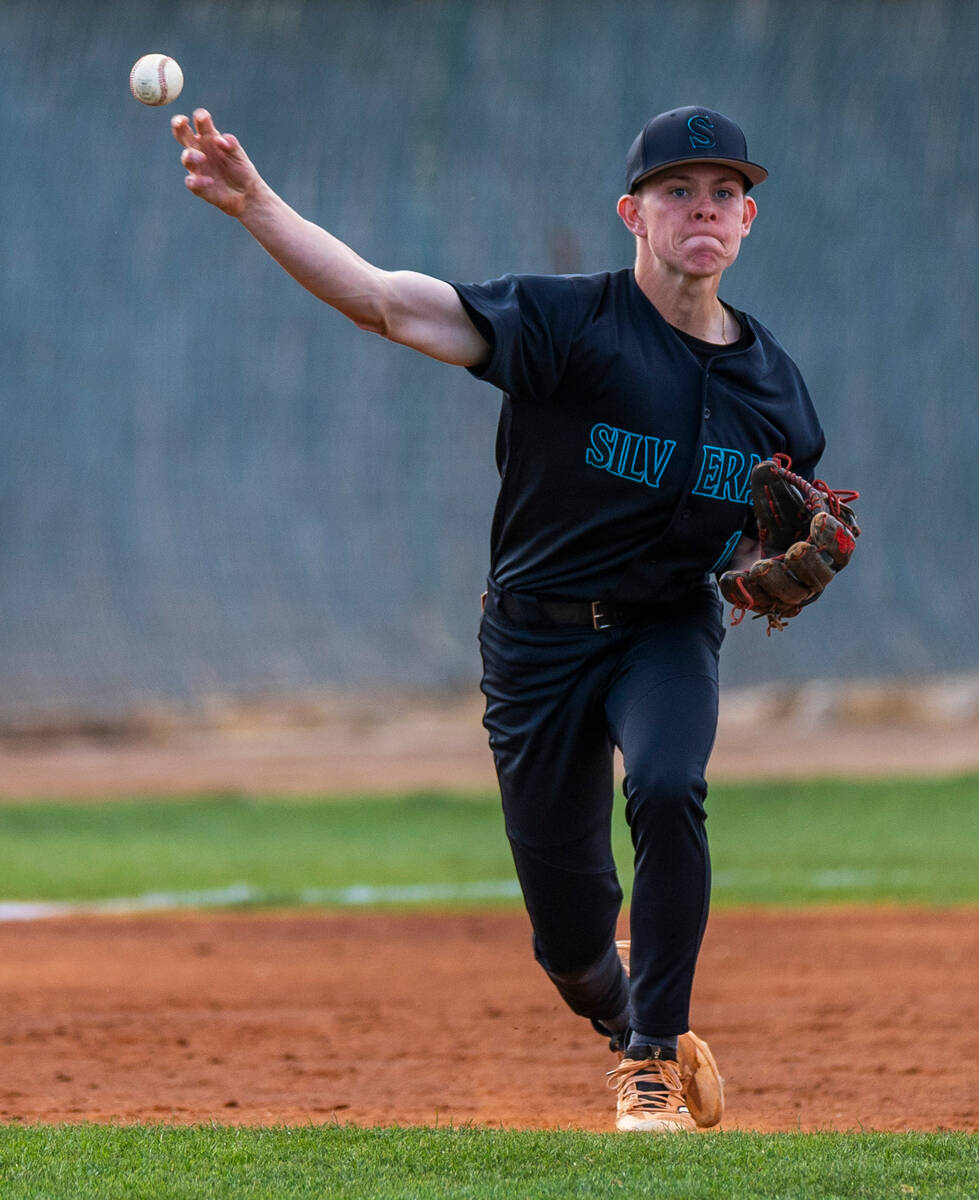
{"x": 211, "y": 485}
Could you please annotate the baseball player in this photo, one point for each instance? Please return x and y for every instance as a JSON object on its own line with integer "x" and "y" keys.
{"x": 635, "y": 405}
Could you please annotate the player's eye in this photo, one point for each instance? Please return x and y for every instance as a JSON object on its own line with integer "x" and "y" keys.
{"x": 724, "y": 194}
{"x": 678, "y": 191}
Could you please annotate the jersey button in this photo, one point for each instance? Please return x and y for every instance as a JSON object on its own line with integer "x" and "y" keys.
{"x": 706, "y": 414}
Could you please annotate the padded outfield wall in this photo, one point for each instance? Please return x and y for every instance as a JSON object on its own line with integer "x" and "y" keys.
{"x": 210, "y": 483}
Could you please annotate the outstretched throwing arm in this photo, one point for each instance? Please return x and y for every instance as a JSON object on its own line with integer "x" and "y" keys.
{"x": 402, "y": 306}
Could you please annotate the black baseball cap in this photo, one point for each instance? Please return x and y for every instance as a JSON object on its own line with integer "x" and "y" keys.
{"x": 689, "y": 135}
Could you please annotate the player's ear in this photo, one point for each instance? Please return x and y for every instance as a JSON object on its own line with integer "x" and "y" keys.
{"x": 628, "y": 210}
{"x": 749, "y": 214}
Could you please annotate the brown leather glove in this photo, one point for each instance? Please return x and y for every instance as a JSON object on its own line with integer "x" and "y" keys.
{"x": 808, "y": 533}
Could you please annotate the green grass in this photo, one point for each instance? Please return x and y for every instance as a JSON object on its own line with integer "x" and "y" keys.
{"x": 70, "y": 851}
{"x": 903, "y": 841}
{"x": 70, "y": 1163}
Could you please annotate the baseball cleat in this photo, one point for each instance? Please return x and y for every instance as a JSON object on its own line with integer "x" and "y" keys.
{"x": 701, "y": 1080}
{"x": 650, "y": 1097}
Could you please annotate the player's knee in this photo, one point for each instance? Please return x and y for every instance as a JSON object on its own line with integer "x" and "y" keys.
{"x": 666, "y": 792}
{"x": 598, "y": 989}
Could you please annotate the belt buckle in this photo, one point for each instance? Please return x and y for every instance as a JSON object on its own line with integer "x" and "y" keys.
{"x": 599, "y": 619}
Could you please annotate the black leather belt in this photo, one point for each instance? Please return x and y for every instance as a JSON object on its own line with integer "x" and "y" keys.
{"x": 599, "y": 614}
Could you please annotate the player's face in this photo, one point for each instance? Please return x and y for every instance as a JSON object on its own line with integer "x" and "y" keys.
{"x": 694, "y": 217}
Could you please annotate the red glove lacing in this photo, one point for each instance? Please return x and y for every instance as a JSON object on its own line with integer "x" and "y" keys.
{"x": 835, "y": 498}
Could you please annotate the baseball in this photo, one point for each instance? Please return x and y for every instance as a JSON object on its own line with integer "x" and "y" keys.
{"x": 156, "y": 79}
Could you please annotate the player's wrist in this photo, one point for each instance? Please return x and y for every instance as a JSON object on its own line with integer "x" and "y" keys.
{"x": 258, "y": 205}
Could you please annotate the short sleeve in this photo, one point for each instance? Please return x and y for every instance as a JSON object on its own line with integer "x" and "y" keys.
{"x": 529, "y": 322}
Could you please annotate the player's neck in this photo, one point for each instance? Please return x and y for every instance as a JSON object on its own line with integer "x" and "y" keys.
{"x": 688, "y": 302}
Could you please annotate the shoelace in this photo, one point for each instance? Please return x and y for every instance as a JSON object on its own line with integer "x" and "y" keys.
{"x": 625, "y": 1078}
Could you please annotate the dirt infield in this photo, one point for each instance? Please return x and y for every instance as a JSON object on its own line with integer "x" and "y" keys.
{"x": 843, "y": 1020}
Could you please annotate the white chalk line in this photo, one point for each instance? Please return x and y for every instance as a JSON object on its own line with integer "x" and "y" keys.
{"x": 237, "y": 894}
{"x": 365, "y": 894}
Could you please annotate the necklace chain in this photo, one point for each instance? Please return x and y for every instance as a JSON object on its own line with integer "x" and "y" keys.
{"x": 723, "y": 325}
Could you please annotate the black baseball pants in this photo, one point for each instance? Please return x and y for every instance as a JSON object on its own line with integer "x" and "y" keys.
{"x": 558, "y": 699}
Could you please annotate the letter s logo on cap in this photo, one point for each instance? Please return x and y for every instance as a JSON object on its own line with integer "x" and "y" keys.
{"x": 701, "y": 133}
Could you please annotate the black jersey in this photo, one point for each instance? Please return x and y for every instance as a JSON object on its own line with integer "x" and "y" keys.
{"x": 624, "y": 459}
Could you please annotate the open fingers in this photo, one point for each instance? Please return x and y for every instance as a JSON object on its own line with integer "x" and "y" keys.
{"x": 218, "y": 170}
{"x": 208, "y": 132}
{"x": 182, "y": 130}
{"x": 204, "y": 123}
{"x": 193, "y": 159}
{"x": 195, "y": 162}
{"x": 203, "y": 132}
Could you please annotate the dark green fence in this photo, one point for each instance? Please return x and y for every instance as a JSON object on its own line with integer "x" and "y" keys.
{"x": 210, "y": 483}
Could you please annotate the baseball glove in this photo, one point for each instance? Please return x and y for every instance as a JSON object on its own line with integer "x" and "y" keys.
{"x": 807, "y": 532}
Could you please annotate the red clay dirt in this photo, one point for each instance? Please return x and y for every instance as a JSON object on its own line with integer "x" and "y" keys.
{"x": 844, "y": 1019}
